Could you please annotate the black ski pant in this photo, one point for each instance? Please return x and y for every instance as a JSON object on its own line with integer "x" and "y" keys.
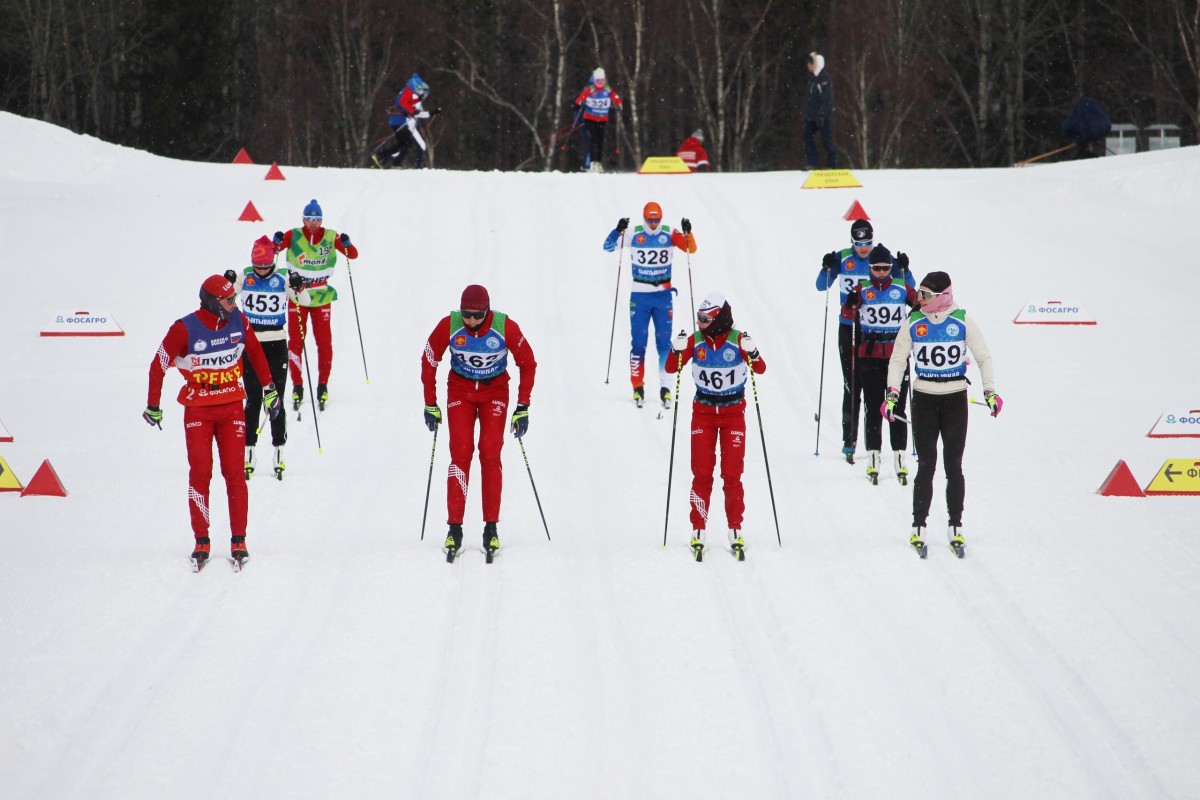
{"x": 943, "y": 415}
{"x": 391, "y": 153}
{"x": 277, "y": 357}
{"x": 871, "y": 374}
{"x": 851, "y": 397}
{"x": 593, "y": 141}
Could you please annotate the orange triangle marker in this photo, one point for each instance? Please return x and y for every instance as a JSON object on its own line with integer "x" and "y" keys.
{"x": 856, "y": 212}
{"x": 250, "y": 214}
{"x": 242, "y": 157}
{"x": 1121, "y": 483}
{"x": 273, "y": 174}
{"x": 45, "y": 482}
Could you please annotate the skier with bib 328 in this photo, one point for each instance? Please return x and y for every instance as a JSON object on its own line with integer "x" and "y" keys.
{"x": 312, "y": 252}
{"x": 480, "y": 341}
{"x": 721, "y": 357}
{"x": 206, "y": 347}
{"x": 651, "y": 252}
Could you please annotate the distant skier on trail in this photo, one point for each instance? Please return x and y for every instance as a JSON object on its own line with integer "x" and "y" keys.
{"x": 651, "y": 253}
{"x": 206, "y": 347}
{"x": 720, "y": 356}
{"x": 480, "y": 342}
{"x": 592, "y": 108}
{"x": 938, "y": 336}
{"x": 403, "y": 117}
{"x": 312, "y": 254}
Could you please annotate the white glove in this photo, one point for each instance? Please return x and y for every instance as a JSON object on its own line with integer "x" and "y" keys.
{"x": 748, "y": 347}
{"x": 680, "y": 342}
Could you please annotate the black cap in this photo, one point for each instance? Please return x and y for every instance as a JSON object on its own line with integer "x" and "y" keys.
{"x": 936, "y": 281}
{"x": 861, "y": 231}
{"x": 880, "y": 255}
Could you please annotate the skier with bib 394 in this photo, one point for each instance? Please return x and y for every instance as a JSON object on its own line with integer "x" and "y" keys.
{"x": 721, "y": 357}
{"x": 206, "y": 347}
{"x": 651, "y": 252}
{"x": 312, "y": 252}
{"x": 480, "y": 342}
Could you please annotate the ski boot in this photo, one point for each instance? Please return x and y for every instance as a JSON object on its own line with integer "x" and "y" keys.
{"x": 237, "y": 551}
{"x": 917, "y": 540}
{"x": 297, "y": 396}
{"x": 453, "y": 542}
{"x": 737, "y": 544}
{"x": 697, "y": 545}
{"x": 848, "y": 452}
{"x": 639, "y": 396}
{"x": 250, "y": 461}
{"x": 200, "y": 553}
{"x": 954, "y": 533}
{"x": 901, "y": 468}
{"x": 873, "y": 467}
{"x": 322, "y": 396}
{"x": 664, "y": 395}
{"x": 491, "y": 541}
{"x": 279, "y": 465}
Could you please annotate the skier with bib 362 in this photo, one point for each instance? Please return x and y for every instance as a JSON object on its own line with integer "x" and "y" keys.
{"x": 480, "y": 341}
{"x": 312, "y": 252}
{"x": 721, "y": 358}
{"x": 651, "y": 253}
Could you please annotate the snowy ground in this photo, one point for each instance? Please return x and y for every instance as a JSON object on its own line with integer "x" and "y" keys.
{"x": 1058, "y": 660}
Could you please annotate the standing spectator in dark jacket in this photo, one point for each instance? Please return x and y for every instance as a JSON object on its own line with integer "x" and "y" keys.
{"x": 818, "y": 113}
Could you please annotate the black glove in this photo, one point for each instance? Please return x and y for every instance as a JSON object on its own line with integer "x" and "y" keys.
{"x": 520, "y": 420}
{"x": 853, "y": 299}
{"x": 231, "y": 276}
{"x": 344, "y": 240}
{"x": 436, "y": 111}
{"x": 295, "y": 281}
{"x": 433, "y": 417}
{"x": 622, "y": 224}
{"x": 902, "y": 262}
{"x": 685, "y": 225}
{"x": 278, "y": 237}
{"x": 831, "y": 261}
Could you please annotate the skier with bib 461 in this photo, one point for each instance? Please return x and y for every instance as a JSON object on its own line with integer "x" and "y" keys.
{"x": 651, "y": 252}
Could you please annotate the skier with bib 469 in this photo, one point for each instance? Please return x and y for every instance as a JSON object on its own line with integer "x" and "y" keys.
{"x": 721, "y": 358}
{"x": 480, "y": 342}
{"x": 651, "y": 253}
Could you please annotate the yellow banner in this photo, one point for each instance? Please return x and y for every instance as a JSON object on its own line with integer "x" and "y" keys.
{"x": 831, "y": 179}
{"x": 8, "y": 481}
{"x": 1176, "y": 476}
{"x": 664, "y": 165}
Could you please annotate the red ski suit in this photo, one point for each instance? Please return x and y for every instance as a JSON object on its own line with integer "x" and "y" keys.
{"x": 710, "y": 424}
{"x": 315, "y": 319}
{"x": 468, "y": 400}
{"x": 206, "y": 418}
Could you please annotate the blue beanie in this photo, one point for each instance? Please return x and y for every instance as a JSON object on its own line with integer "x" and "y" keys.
{"x": 313, "y": 209}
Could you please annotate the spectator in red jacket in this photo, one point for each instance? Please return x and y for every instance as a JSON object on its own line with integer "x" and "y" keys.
{"x": 693, "y": 153}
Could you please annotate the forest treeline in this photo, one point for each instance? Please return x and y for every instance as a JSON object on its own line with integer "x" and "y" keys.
{"x": 918, "y": 83}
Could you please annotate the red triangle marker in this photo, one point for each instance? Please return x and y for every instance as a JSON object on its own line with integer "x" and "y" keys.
{"x": 1121, "y": 483}
{"x": 250, "y": 214}
{"x": 855, "y": 213}
{"x": 242, "y": 157}
{"x": 273, "y": 174}
{"x": 45, "y": 482}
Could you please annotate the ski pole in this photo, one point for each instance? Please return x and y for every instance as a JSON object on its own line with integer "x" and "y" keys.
{"x": 312, "y": 396}
{"x": 766, "y": 461}
{"x": 821, "y": 383}
{"x": 674, "y": 425}
{"x": 854, "y": 406}
{"x": 350, "y": 273}
{"x": 429, "y": 482}
{"x": 521, "y": 442}
{"x": 616, "y": 297}
{"x": 691, "y": 293}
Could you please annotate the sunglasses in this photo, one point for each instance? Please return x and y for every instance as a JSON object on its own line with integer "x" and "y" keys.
{"x": 867, "y": 243}
{"x": 881, "y": 267}
{"x": 702, "y": 318}
{"x": 472, "y": 314}
{"x": 232, "y": 299}
{"x": 925, "y": 294}
{"x": 312, "y": 219}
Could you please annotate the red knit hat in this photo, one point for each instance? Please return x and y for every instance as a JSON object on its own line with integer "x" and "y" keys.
{"x": 475, "y": 298}
{"x": 263, "y": 252}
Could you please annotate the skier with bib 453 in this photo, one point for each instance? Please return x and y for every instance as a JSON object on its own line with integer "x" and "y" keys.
{"x": 721, "y": 357}
{"x": 651, "y": 253}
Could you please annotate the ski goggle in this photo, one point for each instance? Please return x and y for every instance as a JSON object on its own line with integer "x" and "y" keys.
{"x": 472, "y": 314}
{"x": 881, "y": 267}
{"x": 866, "y": 243}
{"x": 925, "y": 294}
{"x": 312, "y": 219}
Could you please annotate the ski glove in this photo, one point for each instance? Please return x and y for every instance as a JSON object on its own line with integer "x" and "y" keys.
{"x": 436, "y": 111}
{"x": 993, "y": 402}
{"x": 888, "y": 409}
{"x": 831, "y": 261}
{"x": 153, "y": 416}
{"x": 853, "y": 299}
{"x": 344, "y": 240}
{"x": 685, "y": 225}
{"x": 231, "y": 276}
{"x": 679, "y": 343}
{"x": 295, "y": 281}
{"x": 748, "y": 347}
{"x": 902, "y": 262}
{"x": 622, "y": 224}
{"x": 520, "y": 420}
{"x": 433, "y": 417}
{"x": 271, "y": 400}
{"x": 278, "y": 237}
